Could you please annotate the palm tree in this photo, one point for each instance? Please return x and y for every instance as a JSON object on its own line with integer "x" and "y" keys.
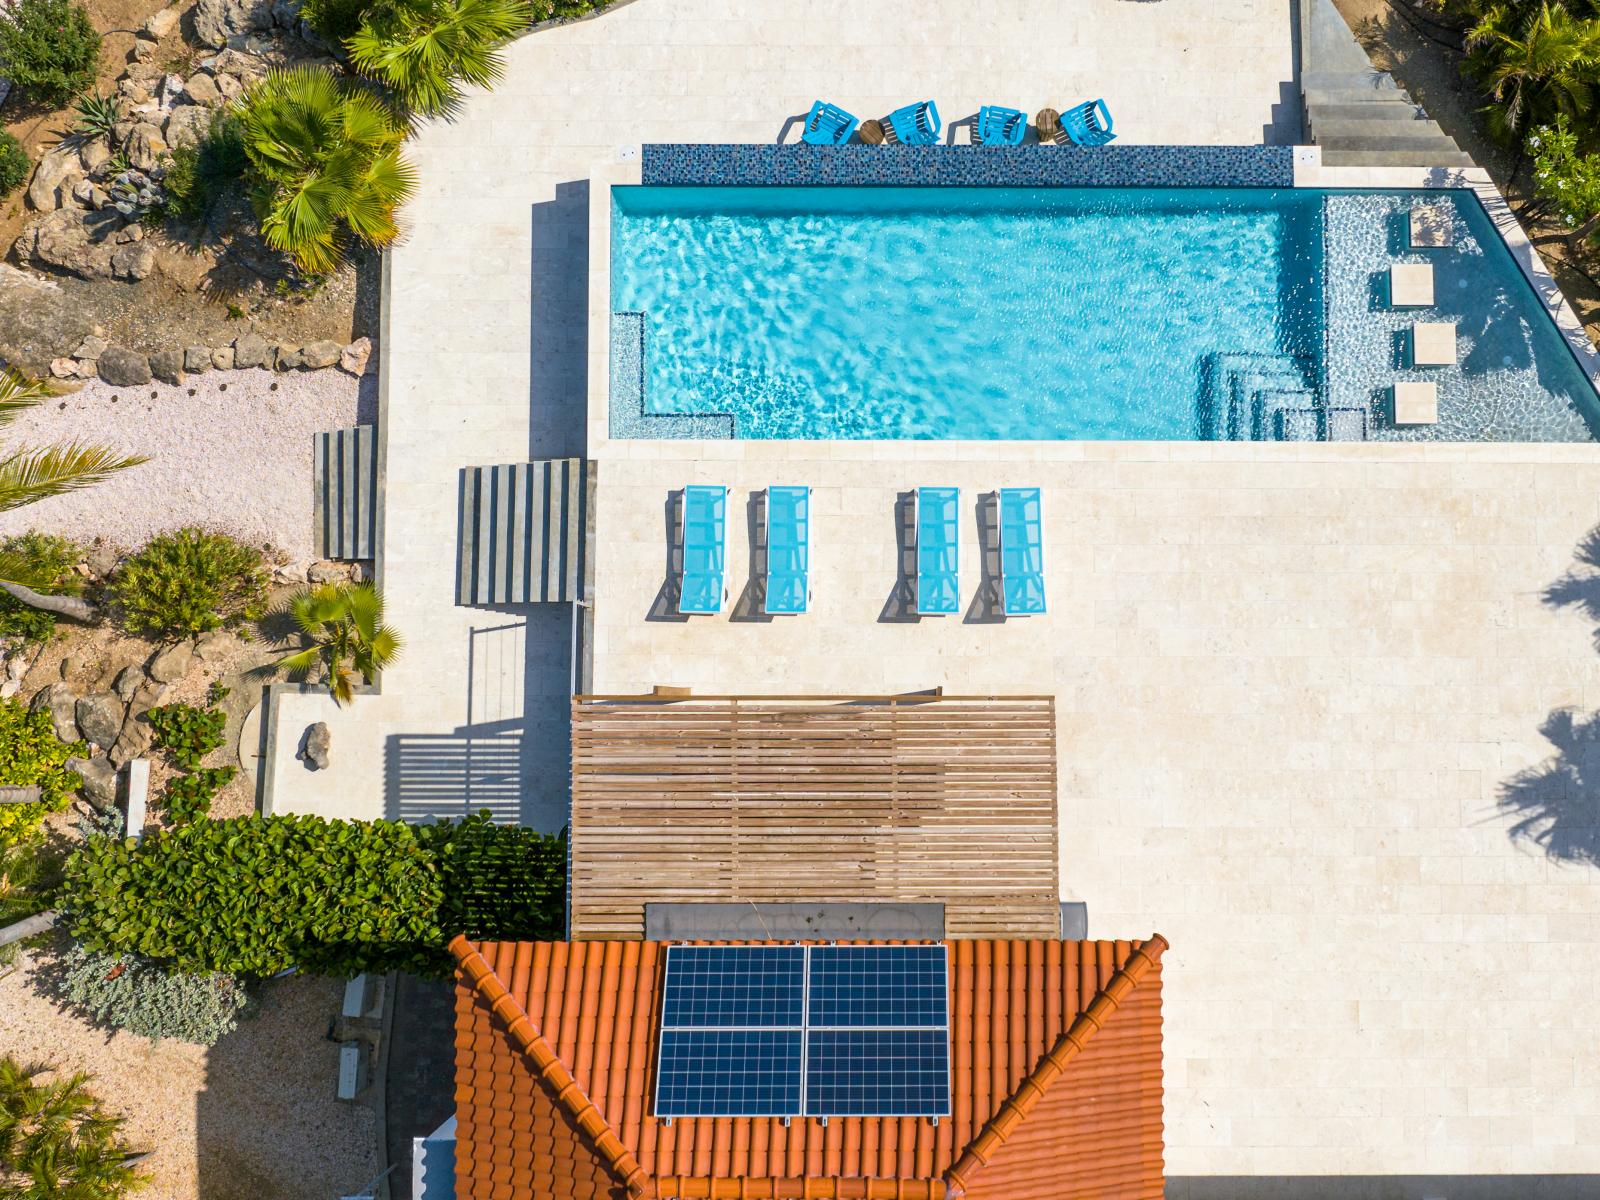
{"x": 1546, "y": 69}
{"x": 328, "y": 163}
{"x": 345, "y": 625}
{"x": 56, "y": 1143}
{"x": 28, "y": 474}
{"x": 420, "y": 48}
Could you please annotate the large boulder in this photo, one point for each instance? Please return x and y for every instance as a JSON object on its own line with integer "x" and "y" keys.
{"x": 62, "y": 703}
{"x": 99, "y": 718}
{"x": 171, "y": 664}
{"x": 215, "y": 21}
{"x": 72, "y": 242}
{"x": 353, "y": 358}
{"x": 121, "y": 367}
{"x": 99, "y": 779}
{"x": 129, "y": 681}
{"x": 131, "y": 743}
{"x": 201, "y": 89}
{"x": 187, "y": 125}
{"x": 54, "y": 177}
{"x": 145, "y": 147}
{"x": 318, "y": 355}
{"x": 134, "y": 262}
{"x": 249, "y": 351}
{"x": 166, "y": 365}
{"x": 163, "y": 23}
{"x": 36, "y": 319}
{"x": 318, "y": 742}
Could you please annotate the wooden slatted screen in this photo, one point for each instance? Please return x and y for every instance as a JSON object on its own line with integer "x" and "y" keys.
{"x": 823, "y": 800}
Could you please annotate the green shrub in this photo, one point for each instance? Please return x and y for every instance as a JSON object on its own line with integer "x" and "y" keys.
{"x": 14, "y": 165}
{"x": 189, "y": 581}
{"x": 53, "y": 557}
{"x": 31, "y": 754}
{"x": 98, "y": 115}
{"x": 565, "y": 10}
{"x": 188, "y": 797}
{"x": 200, "y": 173}
{"x": 125, "y": 991}
{"x": 49, "y": 48}
{"x": 253, "y": 895}
{"x": 56, "y": 1141}
{"x": 187, "y": 733}
{"x": 335, "y": 20}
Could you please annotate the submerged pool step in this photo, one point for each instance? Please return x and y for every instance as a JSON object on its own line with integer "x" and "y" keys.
{"x": 1232, "y": 383}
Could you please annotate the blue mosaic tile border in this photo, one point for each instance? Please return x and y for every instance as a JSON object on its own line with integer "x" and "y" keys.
{"x": 747, "y": 164}
{"x": 628, "y": 416}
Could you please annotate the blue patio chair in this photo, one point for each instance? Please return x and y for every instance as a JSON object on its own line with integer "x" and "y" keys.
{"x": 999, "y": 126}
{"x": 828, "y": 125}
{"x": 704, "y": 532}
{"x": 1088, "y": 124}
{"x": 788, "y": 550}
{"x": 916, "y": 124}
{"x": 1022, "y": 551}
{"x": 938, "y": 528}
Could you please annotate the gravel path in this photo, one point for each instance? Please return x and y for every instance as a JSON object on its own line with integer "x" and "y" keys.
{"x": 233, "y": 455}
{"x": 252, "y": 1118}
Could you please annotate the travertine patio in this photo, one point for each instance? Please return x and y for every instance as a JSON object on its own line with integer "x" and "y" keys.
{"x": 1291, "y": 687}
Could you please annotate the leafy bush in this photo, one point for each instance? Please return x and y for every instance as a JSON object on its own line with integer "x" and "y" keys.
{"x": 125, "y": 991}
{"x": 187, "y": 733}
{"x": 199, "y": 173}
{"x": 49, "y": 48}
{"x": 31, "y": 754}
{"x": 253, "y": 895}
{"x": 1565, "y": 178}
{"x": 335, "y": 20}
{"x": 565, "y": 10}
{"x": 189, "y": 581}
{"x": 50, "y": 557}
{"x": 14, "y": 164}
{"x": 188, "y": 797}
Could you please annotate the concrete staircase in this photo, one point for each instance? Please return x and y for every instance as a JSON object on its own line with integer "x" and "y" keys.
{"x": 1357, "y": 114}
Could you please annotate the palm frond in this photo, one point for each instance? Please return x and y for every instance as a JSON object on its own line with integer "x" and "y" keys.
{"x": 34, "y": 474}
{"x": 18, "y": 569}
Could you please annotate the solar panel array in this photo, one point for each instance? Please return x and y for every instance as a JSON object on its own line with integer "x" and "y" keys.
{"x": 819, "y": 1031}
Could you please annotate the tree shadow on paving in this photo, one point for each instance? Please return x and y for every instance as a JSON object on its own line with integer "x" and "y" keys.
{"x": 1555, "y": 805}
{"x": 268, "y": 1125}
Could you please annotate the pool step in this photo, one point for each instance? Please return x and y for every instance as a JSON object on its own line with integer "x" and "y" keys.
{"x": 1232, "y": 385}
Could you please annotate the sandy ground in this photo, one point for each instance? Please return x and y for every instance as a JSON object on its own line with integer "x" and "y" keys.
{"x": 227, "y": 449}
{"x": 252, "y": 1118}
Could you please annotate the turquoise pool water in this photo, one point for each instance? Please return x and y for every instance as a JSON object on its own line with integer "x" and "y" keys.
{"x": 1149, "y": 314}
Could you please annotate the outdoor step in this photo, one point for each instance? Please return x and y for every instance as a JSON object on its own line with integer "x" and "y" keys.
{"x": 1373, "y": 82}
{"x": 1387, "y": 114}
{"x": 1395, "y": 158}
{"x": 1382, "y": 135}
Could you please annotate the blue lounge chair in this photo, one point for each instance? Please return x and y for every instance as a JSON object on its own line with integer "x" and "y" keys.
{"x": 938, "y": 528}
{"x": 828, "y": 125}
{"x": 916, "y": 124}
{"x": 1022, "y": 551}
{"x": 999, "y": 126}
{"x": 1088, "y": 124}
{"x": 788, "y": 550}
{"x": 704, "y": 528}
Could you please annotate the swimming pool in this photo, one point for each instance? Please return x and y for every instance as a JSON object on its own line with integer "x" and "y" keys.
{"x": 1048, "y": 313}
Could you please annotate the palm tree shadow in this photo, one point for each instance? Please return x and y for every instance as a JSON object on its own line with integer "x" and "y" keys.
{"x": 1556, "y": 804}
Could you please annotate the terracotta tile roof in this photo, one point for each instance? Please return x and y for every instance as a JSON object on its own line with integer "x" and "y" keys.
{"x": 1055, "y": 1085}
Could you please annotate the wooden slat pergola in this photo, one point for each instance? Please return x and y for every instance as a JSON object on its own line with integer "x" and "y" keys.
{"x": 816, "y": 800}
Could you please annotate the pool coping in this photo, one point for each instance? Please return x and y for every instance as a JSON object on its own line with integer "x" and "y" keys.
{"x": 627, "y": 169}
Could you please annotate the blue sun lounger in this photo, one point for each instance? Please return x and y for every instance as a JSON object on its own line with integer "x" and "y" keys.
{"x": 1022, "y": 551}
{"x": 705, "y": 528}
{"x": 938, "y": 529}
{"x": 828, "y": 125}
{"x": 1088, "y": 124}
{"x": 916, "y": 124}
{"x": 999, "y": 126}
{"x": 788, "y": 550}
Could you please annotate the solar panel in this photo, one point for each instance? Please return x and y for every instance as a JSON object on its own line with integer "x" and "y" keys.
{"x": 804, "y": 1031}
{"x": 878, "y": 1073}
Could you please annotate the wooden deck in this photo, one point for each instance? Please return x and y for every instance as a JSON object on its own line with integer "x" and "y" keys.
{"x": 816, "y": 800}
